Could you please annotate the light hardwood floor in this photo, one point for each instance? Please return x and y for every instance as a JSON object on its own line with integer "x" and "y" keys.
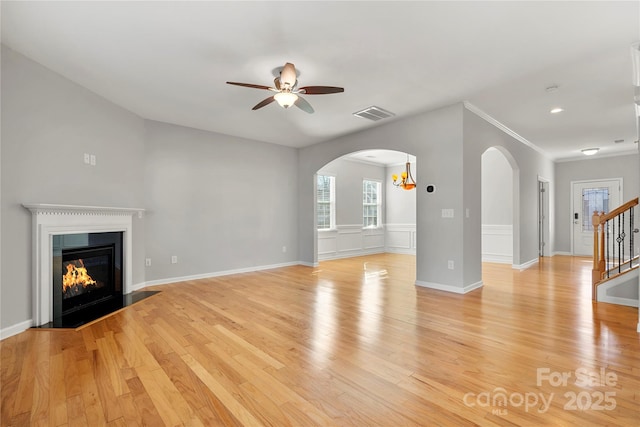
{"x": 351, "y": 343}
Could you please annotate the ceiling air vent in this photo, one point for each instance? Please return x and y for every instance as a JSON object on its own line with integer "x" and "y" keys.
{"x": 373, "y": 113}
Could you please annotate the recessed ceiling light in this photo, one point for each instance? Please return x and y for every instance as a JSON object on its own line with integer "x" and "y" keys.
{"x": 590, "y": 151}
{"x": 556, "y": 110}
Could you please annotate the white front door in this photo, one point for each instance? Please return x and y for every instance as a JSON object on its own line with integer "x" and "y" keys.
{"x": 590, "y": 196}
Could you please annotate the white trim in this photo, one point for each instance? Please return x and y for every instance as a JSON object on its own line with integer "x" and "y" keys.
{"x": 403, "y": 251}
{"x": 629, "y": 280}
{"x": 48, "y": 220}
{"x": 16, "y": 329}
{"x": 219, "y": 273}
{"x": 525, "y": 265}
{"x": 351, "y": 253}
{"x": 619, "y": 301}
{"x": 138, "y": 286}
{"x": 478, "y": 112}
{"x": 308, "y": 264}
{"x": 497, "y": 243}
{"x": 52, "y": 209}
{"x": 497, "y": 258}
{"x": 562, "y": 253}
{"x": 449, "y": 288}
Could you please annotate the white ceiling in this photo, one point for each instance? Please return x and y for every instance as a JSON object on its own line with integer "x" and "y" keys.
{"x": 169, "y": 61}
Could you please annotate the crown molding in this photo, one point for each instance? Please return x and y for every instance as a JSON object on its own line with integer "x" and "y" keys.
{"x": 478, "y": 112}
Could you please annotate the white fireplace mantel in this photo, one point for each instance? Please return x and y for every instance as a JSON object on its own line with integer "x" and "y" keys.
{"x": 49, "y": 220}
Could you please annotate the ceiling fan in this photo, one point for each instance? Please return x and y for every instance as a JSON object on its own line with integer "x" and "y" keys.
{"x": 287, "y": 91}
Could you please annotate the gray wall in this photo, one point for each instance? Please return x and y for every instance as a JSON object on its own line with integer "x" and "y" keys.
{"x": 436, "y": 139}
{"x": 528, "y": 164}
{"x": 349, "y": 176}
{"x": 625, "y": 167}
{"x": 497, "y": 189}
{"x": 217, "y": 202}
{"x": 401, "y": 204}
{"x": 48, "y": 123}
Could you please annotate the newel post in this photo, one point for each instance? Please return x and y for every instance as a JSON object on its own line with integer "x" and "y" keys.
{"x": 598, "y": 251}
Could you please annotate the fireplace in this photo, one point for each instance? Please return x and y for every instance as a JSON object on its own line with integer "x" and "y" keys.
{"x": 87, "y": 277}
{"x": 60, "y": 235}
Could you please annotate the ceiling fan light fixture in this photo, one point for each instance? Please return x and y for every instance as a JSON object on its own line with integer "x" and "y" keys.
{"x": 285, "y": 99}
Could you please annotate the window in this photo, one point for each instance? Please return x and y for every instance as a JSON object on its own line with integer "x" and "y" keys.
{"x": 326, "y": 190}
{"x": 593, "y": 199}
{"x": 371, "y": 202}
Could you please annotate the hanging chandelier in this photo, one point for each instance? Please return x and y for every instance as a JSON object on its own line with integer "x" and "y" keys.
{"x": 407, "y": 182}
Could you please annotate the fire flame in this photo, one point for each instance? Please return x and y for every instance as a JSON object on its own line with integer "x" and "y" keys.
{"x": 76, "y": 276}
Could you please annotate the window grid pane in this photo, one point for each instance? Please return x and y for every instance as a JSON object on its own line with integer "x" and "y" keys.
{"x": 370, "y": 205}
{"x": 325, "y": 202}
{"x": 593, "y": 199}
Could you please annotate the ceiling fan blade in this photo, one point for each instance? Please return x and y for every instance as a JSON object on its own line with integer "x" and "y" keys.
{"x": 320, "y": 90}
{"x": 302, "y": 104}
{"x": 263, "y": 103}
{"x": 249, "y": 85}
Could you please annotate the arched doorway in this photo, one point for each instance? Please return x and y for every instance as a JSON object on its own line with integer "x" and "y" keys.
{"x": 500, "y": 202}
{"x": 358, "y": 210}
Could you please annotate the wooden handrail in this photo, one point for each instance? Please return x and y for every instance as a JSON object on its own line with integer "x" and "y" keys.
{"x": 617, "y": 211}
{"x": 599, "y": 263}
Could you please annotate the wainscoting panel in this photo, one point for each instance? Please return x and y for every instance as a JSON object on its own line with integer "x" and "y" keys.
{"x": 348, "y": 241}
{"x": 327, "y": 242}
{"x": 497, "y": 243}
{"x": 400, "y": 238}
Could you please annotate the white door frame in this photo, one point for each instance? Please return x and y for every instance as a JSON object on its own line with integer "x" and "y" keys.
{"x": 586, "y": 181}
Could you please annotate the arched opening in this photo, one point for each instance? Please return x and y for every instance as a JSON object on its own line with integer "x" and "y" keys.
{"x": 359, "y": 211}
{"x": 500, "y": 203}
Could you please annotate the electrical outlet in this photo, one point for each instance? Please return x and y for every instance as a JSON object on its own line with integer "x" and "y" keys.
{"x": 450, "y": 264}
{"x": 93, "y": 160}
{"x": 174, "y": 259}
{"x": 147, "y": 262}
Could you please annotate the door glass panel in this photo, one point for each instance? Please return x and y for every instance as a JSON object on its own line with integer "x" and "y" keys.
{"x": 593, "y": 199}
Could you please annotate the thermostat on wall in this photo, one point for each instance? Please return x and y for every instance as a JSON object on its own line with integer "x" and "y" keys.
{"x": 431, "y": 188}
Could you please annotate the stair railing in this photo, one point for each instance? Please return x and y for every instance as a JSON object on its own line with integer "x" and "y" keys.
{"x": 613, "y": 243}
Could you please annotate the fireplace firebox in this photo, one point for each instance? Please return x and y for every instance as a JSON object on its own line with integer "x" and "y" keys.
{"x": 87, "y": 277}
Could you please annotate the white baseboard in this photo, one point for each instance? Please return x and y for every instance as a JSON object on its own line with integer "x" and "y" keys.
{"x": 308, "y": 264}
{"x": 561, "y": 253}
{"x": 525, "y": 265}
{"x": 497, "y": 258}
{"x": 350, "y": 254}
{"x": 15, "y": 329}
{"x": 619, "y": 301}
{"x": 449, "y": 288}
{"x": 217, "y": 274}
{"x": 403, "y": 251}
{"x": 138, "y": 286}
